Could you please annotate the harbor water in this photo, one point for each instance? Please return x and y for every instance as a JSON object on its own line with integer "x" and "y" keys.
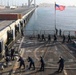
{"x": 45, "y": 18}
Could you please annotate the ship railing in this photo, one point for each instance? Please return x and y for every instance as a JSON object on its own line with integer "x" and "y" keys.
{"x": 34, "y": 33}
{"x": 71, "y": 32}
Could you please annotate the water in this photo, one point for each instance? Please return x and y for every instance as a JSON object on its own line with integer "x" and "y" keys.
{"x": 44, "y": 19}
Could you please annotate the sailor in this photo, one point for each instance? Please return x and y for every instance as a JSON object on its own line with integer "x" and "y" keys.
{"x": 42, "y": 64}
{"x": 21, "y": 61}
{"x": 61, "y": 64}
{"x": 31, "y": 63}
{"x": 21, "y": 24}
{"x": 7, "y": 60}
{"x": 38, "y": 36}
{"x": 69, "y": 38}
{"x": 6, "y": 50}
{"x": 60, "y": 32}
{"x": 12, "y": 54}
{"x": 55, "y": 38}
{"x": 49, "y": 38}
{"x": 56, "y": 31}
{"x": 63, "y": 39}
{"x": 43, "y": 38}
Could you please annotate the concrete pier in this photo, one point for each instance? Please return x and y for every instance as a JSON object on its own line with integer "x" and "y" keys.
{"x": 11, "y": 26}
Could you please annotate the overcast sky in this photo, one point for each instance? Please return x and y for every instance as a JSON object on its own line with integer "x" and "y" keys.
{"x": 65, "y": 2}
{"x": 20, "y": 2}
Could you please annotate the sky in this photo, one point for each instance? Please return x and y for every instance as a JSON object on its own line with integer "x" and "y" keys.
{"x": 20, "y": 2}
{"x": 62, "y": 2}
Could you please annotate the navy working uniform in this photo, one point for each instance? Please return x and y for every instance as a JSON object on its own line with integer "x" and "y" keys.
{"x": 55, "y": 38}
{"x": 63, "y": 39}
{"x": 6, "y": 51}
{"x": 38, "y": 36}
{"x": 43, "y": 38}
{"x": 7, "y": 60}
{"x": 56, "y": 31}
{"x": 60, "y": 32}
{"x": 69, "y": 38}
{"x": 12, "y": 54}
{"x": 21, "y": 62}
{"x": 42, "y": 64}
{"x": 31, "y": 63}
{"x": 49, "y": 38}
{"x": 61, "y": 64}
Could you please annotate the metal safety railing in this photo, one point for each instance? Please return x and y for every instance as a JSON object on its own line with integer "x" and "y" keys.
{"x": 71, "y": 32}
{"x": 34, "y": 33}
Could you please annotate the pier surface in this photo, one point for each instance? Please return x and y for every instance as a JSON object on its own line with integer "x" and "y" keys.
{"x": 7, "y": 12}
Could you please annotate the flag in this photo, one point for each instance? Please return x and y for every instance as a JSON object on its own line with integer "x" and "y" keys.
{"x": 59, "y": 7}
